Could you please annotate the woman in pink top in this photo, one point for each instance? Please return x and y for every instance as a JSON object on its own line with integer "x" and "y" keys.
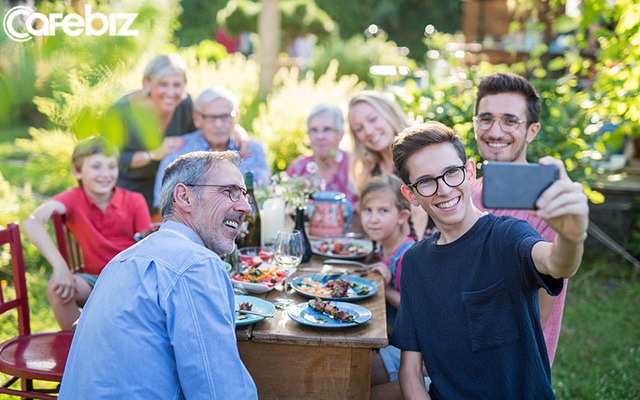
{"x": 328, "y": 167}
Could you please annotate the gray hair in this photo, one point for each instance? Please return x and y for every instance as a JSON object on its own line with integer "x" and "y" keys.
{"x": 332, "y": 110}
{"x": 163, "y": 65}
{"x": 190, "y": 169}
{"x": 215, "y": 92}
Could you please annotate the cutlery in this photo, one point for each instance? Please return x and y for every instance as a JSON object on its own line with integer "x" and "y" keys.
{"x": 254, "y": 313}
{"x": 346, "y": 262}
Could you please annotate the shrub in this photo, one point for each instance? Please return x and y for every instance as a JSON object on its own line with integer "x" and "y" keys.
{"x": 357, "y": 54}
{"x": 281, "y": 123}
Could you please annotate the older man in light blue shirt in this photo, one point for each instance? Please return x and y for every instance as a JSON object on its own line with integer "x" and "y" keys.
{"x": 160, "y": 323}
{"x": 215, "y": 116}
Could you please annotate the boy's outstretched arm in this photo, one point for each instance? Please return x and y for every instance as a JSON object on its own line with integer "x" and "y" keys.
{"x": 564, "y": 208}
{"x": 411, "y": 377}
{"x": 36, "y": 230}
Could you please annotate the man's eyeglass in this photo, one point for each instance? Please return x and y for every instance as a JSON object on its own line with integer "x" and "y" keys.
{"x": 427, "y": 187}
{"x": 508, "y": 123}
{"x": 233, "y": 191}
{"x": 214, "y": 117}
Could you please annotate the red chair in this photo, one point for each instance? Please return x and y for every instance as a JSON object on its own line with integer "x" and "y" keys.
{"x": 28, "y": 357}
{"x": 66, "y": 243}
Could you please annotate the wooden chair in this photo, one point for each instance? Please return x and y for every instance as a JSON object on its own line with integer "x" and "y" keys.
{"x": 28, "y": 357}
{"x": 66, "y": 243}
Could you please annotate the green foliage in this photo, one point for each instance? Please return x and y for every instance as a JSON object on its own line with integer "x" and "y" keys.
{"x": 601, "y": 83}
{"x": 42, "y": 67}
{"x": 298, "y": 18}
{"x": 357, "y": 54}
{"x": 48, "y": 168}
{"x": 15, "y": 204}
{"x": 281, "y": 124}
{"x": 403, "y": 20}
{"x": 197, "y": 21}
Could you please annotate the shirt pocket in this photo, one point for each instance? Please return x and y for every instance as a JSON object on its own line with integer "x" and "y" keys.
{"x": 491, "y": 317}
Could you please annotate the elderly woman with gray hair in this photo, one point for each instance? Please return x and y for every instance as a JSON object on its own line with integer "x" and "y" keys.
{"x": 328, "y": 167}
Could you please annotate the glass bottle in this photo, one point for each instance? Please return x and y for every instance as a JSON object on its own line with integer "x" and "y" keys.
{"x": 306, "y": 245}
{"x": 250, "y": 233}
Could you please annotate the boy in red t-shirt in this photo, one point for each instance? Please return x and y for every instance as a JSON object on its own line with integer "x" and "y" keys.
{"x": 102, "y": 217}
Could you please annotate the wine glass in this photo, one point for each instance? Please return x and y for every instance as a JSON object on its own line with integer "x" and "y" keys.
{"x": 287, "y": 253}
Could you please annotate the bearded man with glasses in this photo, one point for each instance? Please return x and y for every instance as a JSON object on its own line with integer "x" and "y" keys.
{"x": 160, "y": 322}
{"x": 216, "y": 117}
{"x": 512, "y": 101}
{"x": 469, "y": 292}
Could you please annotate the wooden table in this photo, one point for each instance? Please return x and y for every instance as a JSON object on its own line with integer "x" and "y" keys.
{"x": 288, "y": 360}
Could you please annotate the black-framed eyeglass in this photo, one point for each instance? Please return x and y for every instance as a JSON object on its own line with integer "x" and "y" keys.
{"x": 214, "y": 117}
{"x": 508, "y": 123}
{"x": 233, "y": 191}
{"x": 427, "y": 187}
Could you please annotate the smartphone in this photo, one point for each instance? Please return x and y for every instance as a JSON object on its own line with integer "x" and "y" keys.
{"x": 515, "y": 186}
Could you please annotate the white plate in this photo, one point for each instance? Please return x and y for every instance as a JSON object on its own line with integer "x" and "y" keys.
{"x": 366, "y": 245}
{"x": 256, "y": 287}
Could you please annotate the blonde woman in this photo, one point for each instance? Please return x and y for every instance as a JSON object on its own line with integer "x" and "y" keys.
{"x": 375, "y": 119}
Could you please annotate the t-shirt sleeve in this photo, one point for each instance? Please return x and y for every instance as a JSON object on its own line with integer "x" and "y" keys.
{"x": 528, "y": 237}
{"x": 404, "y": 334}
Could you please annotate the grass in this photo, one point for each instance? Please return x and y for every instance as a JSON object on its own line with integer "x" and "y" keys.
{"x": 598, "y": 354}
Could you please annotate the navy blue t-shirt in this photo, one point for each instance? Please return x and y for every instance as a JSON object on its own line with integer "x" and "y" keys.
{"x": 471, "y": 308}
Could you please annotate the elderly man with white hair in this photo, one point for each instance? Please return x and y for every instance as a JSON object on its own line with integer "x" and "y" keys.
{"x": 216, "y": 116}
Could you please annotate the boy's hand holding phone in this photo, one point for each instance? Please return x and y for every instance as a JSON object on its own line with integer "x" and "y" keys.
{"x": 544, "y": 188}
{"x": 564, "y": 205}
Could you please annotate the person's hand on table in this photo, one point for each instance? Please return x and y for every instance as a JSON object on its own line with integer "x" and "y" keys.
{"x": 63, "y": 284}
{"x": 383, "y": 270}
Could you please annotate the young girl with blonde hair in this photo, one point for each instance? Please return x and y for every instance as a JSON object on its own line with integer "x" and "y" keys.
{"x": 386, "y": 218}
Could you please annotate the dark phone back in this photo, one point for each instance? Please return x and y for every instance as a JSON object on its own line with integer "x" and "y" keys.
{"x": 515, "y": 186}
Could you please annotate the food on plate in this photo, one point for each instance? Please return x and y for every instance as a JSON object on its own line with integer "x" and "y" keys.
{"x": 326, "y": 308}
{"x": 245, "y": 306}
{"x": 342, "y": 247}
{"x": 332, "y": 288}
{"x": 262, "y": 275}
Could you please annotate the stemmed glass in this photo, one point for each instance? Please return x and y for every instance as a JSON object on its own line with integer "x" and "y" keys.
{"x": 287, "y": 253}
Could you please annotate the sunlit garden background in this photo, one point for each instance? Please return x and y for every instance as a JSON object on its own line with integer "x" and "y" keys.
{"x": 583, "y": 58}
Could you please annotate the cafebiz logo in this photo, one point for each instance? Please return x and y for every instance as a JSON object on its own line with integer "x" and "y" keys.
{"x": 38, "y": 24}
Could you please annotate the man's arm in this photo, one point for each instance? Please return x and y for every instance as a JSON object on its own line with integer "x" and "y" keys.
{"x": 36, "y": 230}
{"x": 411, "y": 377}
{"x": 564, "y": 208}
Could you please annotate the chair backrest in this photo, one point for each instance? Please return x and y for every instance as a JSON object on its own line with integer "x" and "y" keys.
{"x": 67, "y": 244}
{"x": 11, "y": 236}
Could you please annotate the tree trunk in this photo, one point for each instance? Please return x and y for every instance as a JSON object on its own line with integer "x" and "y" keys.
{"x": 269, "y": 32}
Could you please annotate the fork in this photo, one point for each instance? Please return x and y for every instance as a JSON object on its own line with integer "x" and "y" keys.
{"x": 254, "y": 313}
{"x": 346, "y": 262}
